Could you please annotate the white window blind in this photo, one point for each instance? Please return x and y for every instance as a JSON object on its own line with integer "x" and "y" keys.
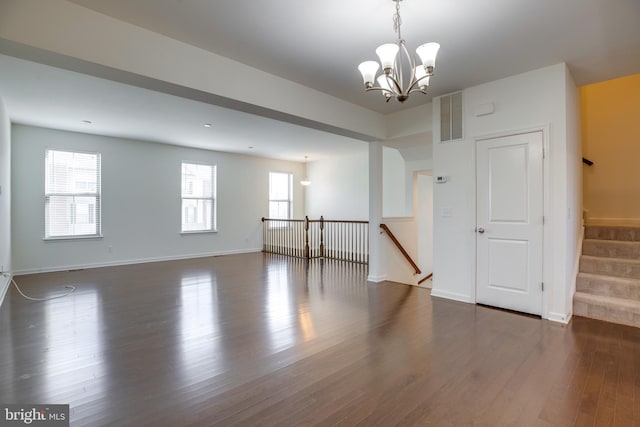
{"x": 198, "y": 197}
{"x": 72, "y": 194}
{"x": 280, "y": 195}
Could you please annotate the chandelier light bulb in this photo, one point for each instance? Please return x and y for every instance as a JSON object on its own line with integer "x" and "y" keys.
{"x": 368, "y": 70}
{"x": 305, "y": 182}
{"x": 384, "y": 84}
{"x": 427, "y": 53}
{"x": 387, "y": 54}
{"x": 421, "y": 77}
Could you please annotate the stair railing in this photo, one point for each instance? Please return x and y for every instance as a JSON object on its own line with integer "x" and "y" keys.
{"x": 345, "y": 240}
{"x": 425, "y": 278}
{"x": 400, "y": 248}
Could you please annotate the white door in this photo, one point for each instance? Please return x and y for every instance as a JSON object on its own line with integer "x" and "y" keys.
{"x": 509, "y": 222}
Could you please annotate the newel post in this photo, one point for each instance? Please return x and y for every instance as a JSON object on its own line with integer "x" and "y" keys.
{"x": 321, "y": 236}
{"x": 264, "y": 236}
{"x": 306, "y": 237}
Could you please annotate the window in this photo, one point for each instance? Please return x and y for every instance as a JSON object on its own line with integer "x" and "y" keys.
{"x": 72, "y": 194}
{"x": 198, "y": 197}
{"x": 280, "y": 195}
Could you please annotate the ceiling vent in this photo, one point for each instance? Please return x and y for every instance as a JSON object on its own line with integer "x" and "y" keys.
{"x": 451, "y": 117}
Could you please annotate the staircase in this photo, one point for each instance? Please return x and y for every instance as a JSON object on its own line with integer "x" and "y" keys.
{"x": 608, "y": 283}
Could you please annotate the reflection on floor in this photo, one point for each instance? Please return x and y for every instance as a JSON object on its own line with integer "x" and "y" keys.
{"x": 258, "y": 339}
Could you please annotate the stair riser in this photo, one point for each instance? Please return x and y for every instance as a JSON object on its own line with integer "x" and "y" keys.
{"x": 606, "y": 313}
{"x": 611, "y": 250}
{"x": 610, "y": 267}
{"x": 609, "y": 288}
{"x": 626, "y": 234}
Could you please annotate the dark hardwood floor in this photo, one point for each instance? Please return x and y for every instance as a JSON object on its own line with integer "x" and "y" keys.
{"x": 259, "y": 339}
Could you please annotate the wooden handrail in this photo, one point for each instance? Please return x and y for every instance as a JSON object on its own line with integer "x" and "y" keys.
{"x": 425, "y": 278}
{"x": 400, "y": 248}
{"x": 282, "y": 220}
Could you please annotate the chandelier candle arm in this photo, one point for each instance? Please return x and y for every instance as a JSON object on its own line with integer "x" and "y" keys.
{"x": 393, "y": 58}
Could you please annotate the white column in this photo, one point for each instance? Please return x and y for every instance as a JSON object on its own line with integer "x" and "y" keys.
{"x": 5, "y": 200}
{"x": 377, "y": 264}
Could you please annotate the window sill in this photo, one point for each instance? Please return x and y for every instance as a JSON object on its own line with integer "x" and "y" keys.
{"x": 184, "y": 233}
{"x": 62, "y": 238}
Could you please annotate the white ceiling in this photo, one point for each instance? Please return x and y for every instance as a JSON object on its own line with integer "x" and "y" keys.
{"x": 319, "y": 44}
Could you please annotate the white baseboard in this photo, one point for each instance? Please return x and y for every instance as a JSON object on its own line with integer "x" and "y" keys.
{"x": 376, "y": 279}
{"x": 560, "y": 317}
{"x": 613, "y": 222}
{"x": 5, "y": 282}
{"x": 452, "y": 296}
{"x": 132, "y": 261}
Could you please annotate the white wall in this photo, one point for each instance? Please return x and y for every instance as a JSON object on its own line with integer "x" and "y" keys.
{"x": 533, "y": 100}
{"x": 574, "y": 186}
{"x": 417, "y": 154}
{"x": 339, "y": 187}
{"x": 412, "y": 167}
{"x": 410, "y": 122}
{"x": 140, "y": 202}
{"x": 425, "y": 222}
{"x": 394, "y": 195}
{"x": 5, "y": 198}
{"x": 407, "y": 150}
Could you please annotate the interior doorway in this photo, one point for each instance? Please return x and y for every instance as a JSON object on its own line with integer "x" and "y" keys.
{"x": 509, "y": 222}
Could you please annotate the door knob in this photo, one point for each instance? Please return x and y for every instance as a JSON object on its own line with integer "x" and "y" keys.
{"x": 480, "y": 230}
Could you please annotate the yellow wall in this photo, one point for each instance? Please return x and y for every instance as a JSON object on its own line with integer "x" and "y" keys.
{"x": 610, "y": 117}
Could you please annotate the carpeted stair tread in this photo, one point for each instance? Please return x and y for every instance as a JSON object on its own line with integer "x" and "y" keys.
{"x": 609, "y": 309}
{"x": 618, "y": 267}
{"x": 618, "y": 287}
{"x": 611, "y": 248}
{"x": 608, "y": 281}
{"x": 601, "y": 232}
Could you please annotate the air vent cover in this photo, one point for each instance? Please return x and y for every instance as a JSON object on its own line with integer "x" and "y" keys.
{"x": 451, "y": 117}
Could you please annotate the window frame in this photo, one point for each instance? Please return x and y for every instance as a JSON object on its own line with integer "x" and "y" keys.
{"x": 289, "y": 201}
{"x": 213, "y": 198}
{"x": 97, "y": 194}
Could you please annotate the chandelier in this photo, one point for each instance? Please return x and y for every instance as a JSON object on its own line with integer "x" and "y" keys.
{"x": 400, "y": 76}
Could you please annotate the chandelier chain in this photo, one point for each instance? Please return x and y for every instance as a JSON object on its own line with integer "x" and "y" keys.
{"x": 397, "y": 20}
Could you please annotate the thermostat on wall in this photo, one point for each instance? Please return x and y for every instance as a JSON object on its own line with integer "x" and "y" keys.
{"x": 441, "y": 179}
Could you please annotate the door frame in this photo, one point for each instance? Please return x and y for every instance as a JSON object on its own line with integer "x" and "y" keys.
{"x": 547, "y": 262}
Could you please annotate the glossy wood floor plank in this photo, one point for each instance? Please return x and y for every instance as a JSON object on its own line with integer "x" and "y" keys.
{"x": 257, "y": 339}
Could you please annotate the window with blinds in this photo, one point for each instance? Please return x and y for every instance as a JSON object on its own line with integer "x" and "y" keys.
{"x": 280, "y": 195}
{"x": 72, "y": 194}
{"x": 198, "y": 197}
